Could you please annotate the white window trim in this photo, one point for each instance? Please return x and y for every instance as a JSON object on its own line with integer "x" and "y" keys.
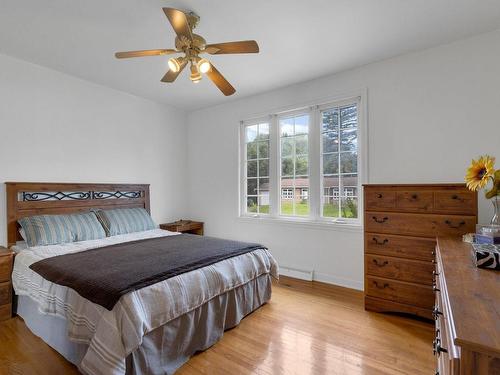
{"x": 315, "y": 188}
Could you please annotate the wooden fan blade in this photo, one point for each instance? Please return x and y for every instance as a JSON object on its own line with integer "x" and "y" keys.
{"x": 179, "y": 22}
{"x": 172, "y": 76}
{"x": 244, "y": 46}
{"x": 219, "y": 81}
{"x": 142, "y": 53}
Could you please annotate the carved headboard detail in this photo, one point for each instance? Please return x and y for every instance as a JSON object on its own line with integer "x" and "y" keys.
{"x": 46, "y": 198}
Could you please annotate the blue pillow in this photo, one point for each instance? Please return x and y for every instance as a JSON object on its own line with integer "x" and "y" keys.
{"x": 56, "y": 229}
{"x": 125, "y": 220}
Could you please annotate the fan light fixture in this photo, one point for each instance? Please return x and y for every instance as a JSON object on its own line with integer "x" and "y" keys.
{"x": 175, "y": 63}
{"x": 195, "y": 76}
{"x": 191, "y": 45}
{"x": 204, "y": 66}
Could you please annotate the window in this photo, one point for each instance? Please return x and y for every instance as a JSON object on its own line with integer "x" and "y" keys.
{"x": 339, "y": 139}
{"x": 257, "y": 168}
{"x": 306, "y": 163}
{"x": 286, "y": 193}
{"x": 294, "y": 141}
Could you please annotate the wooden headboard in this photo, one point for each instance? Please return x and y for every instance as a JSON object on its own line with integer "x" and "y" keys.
{"x": 42, "y": 198}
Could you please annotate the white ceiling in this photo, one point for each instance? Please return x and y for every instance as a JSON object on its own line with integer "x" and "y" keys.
{"x": 299, "y": 40}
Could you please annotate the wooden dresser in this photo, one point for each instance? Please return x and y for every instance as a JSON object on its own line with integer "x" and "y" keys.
{"x": 401, "y": 223}
{"x": 467, "y": 313}
{"x": 6, "y": 261}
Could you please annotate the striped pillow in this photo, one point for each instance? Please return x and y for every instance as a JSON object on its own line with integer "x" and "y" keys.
{"x": 125, "y": 220}
{"x": 55, "y": 229}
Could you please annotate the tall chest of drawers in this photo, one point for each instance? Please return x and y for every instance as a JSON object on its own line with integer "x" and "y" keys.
{"x": 401, "y": 223}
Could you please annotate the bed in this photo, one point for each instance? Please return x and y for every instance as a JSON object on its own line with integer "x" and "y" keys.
{"x": 151, "y": 330}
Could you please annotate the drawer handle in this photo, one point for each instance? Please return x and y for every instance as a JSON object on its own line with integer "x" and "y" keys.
{"x": 437, "y": 348}
{"x": 435, "y": 288}
{"x": 435, "y": 273}
{"x": 385, "y": 285}
{"x": 450, "y": 224}
{"x": 457, "y": 198}
{"x": 380, "y": 221}
{"x": 381, "y": 264}
{"x": 377, "y": 242}
{"x": 436, "y": 312}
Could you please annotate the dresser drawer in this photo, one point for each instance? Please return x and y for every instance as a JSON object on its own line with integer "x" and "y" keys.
{"x": 416, "y": 271}
{"x": 427, "y": 225}
{"x": 415, "y": 201}
{"x": 5, "y": 293}
{"x": 400, "y": 291}
{"x": 380, "y": 199}
{"x": 457, "y": 202}
{"x": 5, "y": 268}
{"x": 400, "y": 246}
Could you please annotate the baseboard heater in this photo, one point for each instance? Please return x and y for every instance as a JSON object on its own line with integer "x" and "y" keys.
{"x": 297, "y": 273}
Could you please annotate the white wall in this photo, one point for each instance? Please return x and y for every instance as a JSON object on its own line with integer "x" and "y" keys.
{"x": 429, "y": 113}
{"x": 57, "y": 128}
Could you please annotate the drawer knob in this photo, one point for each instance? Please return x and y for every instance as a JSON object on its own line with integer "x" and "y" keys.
{"x": 381, "y": 264}
{"x": 450, "y": 224}
{"x": 435, "y": 273}
{"x": 435, "y": 288}
{"x": 380, "y": 221}
{"x": 457, "y": 198}
{"x": 436, "y": 312}
{"x": 377, "y": 242}
{"x": 414, "y": 197}
{"x": 379, "y": 195}
{"x": 378, "y": 286}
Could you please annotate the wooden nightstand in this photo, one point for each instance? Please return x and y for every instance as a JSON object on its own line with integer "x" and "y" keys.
{"x": 184, "y": 226}
{"x": 6, "y": 262}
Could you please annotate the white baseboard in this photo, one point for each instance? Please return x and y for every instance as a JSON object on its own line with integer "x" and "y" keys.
{"x": 296, "y": 273}
{"x": 310, "y": 275}
{"x": 347, "y": 283}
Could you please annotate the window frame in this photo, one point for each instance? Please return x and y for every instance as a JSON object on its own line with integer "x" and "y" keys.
{"x": 315, "y": 162}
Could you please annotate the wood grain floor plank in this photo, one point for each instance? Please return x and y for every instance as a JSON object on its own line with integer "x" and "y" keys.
{"x": 307, "y": 328}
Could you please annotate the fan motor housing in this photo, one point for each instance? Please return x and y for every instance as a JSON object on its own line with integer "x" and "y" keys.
{"x": 198, "y": 43}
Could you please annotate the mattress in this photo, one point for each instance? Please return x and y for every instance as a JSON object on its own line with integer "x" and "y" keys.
{"x": 112, "y": 336}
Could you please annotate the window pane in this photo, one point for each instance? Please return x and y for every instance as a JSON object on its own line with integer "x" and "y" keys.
{"x": 301, "y": 163}
{"x": 349, "y": 207}
{"x": 264, "y": 131}
{"x": 263, "y": 149}
{"x": 301, "y": 146}
{"x": 287, "y": 196}
{"x": 252, "y": 186}
{"x": 263, "y": 186}
{"x": 348, "y": 117}
{"x": 252, "y": 169}
{"x": 330, "y": 120}
{"x": 302, "y": 124}
{"x": 251, "y": 150}
{"x": 251, "y": 204}
{"x": 287, "y": 167}
{"x": 286, "y": 127}
{"x": 301, "y": 202}
{"x": 330, "y": 164}
{"x": 264, "y": 168}
{"x": 264, "y": 204}
{"x": 350, "y": 182}
{"x": 331, "y": 185}
{"x": 330, "y": 142}
{"x": 349, "y": 140}
{"x": 330, "y": 206}
{"x": 349, "y": 162}
{"x": 287, "y": 146}
{"x": 251, "y": 133}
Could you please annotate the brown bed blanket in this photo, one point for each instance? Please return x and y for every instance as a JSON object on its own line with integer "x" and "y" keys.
{"x": 104, "y": 274}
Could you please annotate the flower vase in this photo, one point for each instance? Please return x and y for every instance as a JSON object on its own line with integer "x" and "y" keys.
{"x": 495, "y": 220}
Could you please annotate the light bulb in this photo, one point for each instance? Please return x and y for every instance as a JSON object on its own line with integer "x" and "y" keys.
{"x": 195, "y": 74}
{"x": 204, "y": 66}
{"x": 174, "y": 65}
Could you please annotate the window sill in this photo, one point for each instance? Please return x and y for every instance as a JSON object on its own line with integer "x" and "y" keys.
{"x": 305, "y": 223}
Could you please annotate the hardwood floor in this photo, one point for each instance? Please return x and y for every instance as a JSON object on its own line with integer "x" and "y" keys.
{"x": 307, "y": 328}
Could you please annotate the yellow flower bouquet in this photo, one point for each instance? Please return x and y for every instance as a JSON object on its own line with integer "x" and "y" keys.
{"x": 479, "y": 174}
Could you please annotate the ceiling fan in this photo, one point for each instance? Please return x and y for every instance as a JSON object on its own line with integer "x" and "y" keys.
{"x": 191, "y": 45}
